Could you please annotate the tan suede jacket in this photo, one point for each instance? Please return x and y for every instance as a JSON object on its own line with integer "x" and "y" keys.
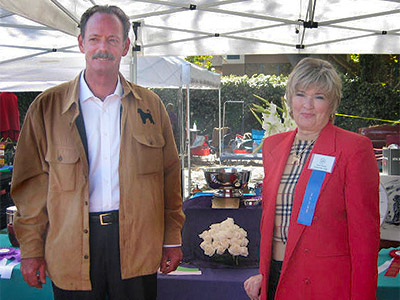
{"x": 51, "y": 190}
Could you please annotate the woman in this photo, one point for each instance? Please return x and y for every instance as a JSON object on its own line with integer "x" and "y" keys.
{"x": 320, "y": 222}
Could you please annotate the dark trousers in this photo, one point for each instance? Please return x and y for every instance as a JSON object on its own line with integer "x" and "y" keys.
{"x": 274, "y": 274}
{"x": 105, "y": 270}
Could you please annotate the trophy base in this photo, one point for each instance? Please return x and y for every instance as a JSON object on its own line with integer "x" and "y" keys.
{"x": 225, "y": 202}
{"x": 228, "y": 193}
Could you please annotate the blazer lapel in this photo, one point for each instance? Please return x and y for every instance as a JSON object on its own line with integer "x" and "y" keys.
{"x": 325, "y": 145}
{"x": 276, "y": 160}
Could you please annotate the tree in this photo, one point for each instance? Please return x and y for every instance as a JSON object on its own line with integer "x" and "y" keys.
{"x": 371, "y": 68}
{"x": 202, "y": 61}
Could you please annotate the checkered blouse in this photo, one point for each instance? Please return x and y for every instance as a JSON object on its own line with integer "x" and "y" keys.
{"x": 290, "y": 176}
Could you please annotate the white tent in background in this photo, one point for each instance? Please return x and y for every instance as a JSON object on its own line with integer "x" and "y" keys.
{"x": 172, "y": 71}
{"x": 44, "y": 71}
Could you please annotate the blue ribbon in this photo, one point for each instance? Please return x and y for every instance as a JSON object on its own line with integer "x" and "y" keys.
{"x": 313, "y": 189}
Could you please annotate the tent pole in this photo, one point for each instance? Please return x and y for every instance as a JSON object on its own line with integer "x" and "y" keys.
{"x": 135, "y": 49}
{"x": 219, "y": 124}
{"x": 133, "y": 67}
{"x": 188, "y": 137}
{"x": 181, "y": 149}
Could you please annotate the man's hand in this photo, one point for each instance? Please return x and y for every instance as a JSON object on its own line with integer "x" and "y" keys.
{"x": 252, "y": 286}
{"x": 171, "y": 258}
{"x": 34, "y": 271}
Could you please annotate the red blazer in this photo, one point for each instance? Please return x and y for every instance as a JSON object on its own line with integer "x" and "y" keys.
{"x": 336, "y": 256}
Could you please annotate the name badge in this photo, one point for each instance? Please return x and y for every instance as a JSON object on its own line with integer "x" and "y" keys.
{"x": 321, "y": 162}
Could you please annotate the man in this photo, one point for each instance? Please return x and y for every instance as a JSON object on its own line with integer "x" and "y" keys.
{"x": 96, "y": 178}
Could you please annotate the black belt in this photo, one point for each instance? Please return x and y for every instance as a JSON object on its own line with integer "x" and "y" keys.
{"x": 104, "y": 218}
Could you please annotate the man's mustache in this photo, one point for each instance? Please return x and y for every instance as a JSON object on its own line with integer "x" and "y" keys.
{"x": 103, "y": 55}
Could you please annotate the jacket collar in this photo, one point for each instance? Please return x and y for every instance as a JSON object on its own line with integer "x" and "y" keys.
{"x": 72, "y": 95}
{"x": 325, "y": 143}
{"x": 284, "y": 145}
{"x": 129, "y": 88}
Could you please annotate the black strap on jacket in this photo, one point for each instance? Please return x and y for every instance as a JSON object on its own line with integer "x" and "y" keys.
{"x": 80, "y": 124}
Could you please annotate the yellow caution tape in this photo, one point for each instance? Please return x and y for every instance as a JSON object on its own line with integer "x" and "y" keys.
{"x": 375, "y": 119}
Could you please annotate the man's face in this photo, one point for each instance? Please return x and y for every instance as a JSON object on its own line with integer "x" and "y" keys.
{"x": 103, "y": 44}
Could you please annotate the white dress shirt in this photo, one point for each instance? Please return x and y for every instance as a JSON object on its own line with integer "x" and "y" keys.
{"x": 102, "y": 123}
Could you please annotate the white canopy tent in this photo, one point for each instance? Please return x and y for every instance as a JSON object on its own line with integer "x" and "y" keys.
{"x": 198, "y": 27}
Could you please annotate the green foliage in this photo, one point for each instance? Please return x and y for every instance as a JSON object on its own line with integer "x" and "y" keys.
{"x": 374, "y": 68}
{"x": 364, "y": 99}
{"x": 360, "y": 98}
{"x": 24, "y": 100}
{"x": 243, "y": 88}
{"x": 202, "y": 61}
{"x": 204, "y": 103}
{"x": 355, "y": 58}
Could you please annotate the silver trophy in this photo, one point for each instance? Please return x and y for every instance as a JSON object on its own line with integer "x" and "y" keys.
{"x": 229, "y": 183}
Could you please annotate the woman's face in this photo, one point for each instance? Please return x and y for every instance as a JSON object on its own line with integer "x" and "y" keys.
{"x": 311, "y": 111}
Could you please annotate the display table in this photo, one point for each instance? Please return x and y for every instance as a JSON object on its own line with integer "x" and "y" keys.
{"x": 5, "y": 199}
{"x": 227, "y": 284}
{"x": 213, "y": 284}
{"x": 200, "y": 215}
{"x": 390, "y": 229}
{"x": 388, "y": 287}
{"x": 240, "y": 156}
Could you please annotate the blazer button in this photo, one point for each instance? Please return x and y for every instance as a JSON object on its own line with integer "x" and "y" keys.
{"x": 307, "y": 281}
{"x": 59, "y": 158}
{"x": 151, "y": 143}
{"x": 85, "y": 231}
{"x": 307, "y": 250}
{"x": 86, "y": 256}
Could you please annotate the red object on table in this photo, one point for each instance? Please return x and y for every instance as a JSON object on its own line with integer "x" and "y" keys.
{"x": 9, "y": 116}
{"x": 11, "y": 235}
{"x": 394, "y": 267}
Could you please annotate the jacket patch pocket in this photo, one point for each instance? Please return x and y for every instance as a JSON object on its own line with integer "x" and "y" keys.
{"x": 149, "y": 152}
{"x": 63, "y": 167}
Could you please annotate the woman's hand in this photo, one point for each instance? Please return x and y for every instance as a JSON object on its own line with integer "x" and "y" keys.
{"x": 252, "y": 286}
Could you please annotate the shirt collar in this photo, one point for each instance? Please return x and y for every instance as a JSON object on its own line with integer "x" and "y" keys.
{"x": 85, "y": 93}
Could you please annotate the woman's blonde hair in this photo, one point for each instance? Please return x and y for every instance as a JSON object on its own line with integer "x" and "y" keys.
{"x": 315, "y": 73}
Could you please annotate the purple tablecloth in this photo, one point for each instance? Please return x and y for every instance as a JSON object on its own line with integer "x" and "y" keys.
{"x": 213, "y": 284}
{"x": 200, "y": 215}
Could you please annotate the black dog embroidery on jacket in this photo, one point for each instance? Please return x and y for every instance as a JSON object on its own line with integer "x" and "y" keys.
{"x": 145, "y": 116}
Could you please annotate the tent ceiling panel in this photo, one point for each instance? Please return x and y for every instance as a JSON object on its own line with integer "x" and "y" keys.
{"x": 25, "y": 38}
{"x": 183, "y": 27}
{"x": 48, "y": 40}
{"x": 48, "y": 13}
